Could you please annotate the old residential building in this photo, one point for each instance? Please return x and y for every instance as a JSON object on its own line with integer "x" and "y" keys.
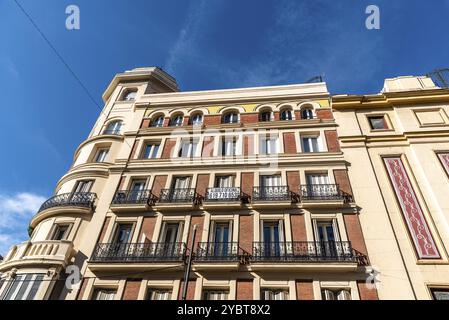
{"x": 291, "y": 196}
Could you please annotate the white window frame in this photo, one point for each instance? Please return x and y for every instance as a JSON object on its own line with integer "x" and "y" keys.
{"x": 152, "y": 154}
{"x": 101, "y": 155}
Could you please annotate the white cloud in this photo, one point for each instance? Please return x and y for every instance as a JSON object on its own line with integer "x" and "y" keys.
{"x": 15, "y": 212}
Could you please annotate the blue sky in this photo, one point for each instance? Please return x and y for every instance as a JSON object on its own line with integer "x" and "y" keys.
{"x": 204, "y": 44}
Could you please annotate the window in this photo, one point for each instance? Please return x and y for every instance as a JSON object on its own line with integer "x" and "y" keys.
{"x": 224, "y": 181}
{"x": 274, "y": 294}
{"x": 336, "y": 294}
{"x": 24, "y": 287}
{"x": 231, "y": 117}
{"x": 113, "y": 127}
{"x": 104, "y": 294}
{"x": 317, "y": 178}
{"x": 310, "y": 144}
{"x": 159, "y": 294}
{"x": 265, "y": 116}
{"x": 150, "y": 151}
{"x": 101, "y": 155}
{"x": 270, "y": 181}
{"x": 196, "y": 119}
{"x": 307, "y": 113}
{"x": 130, "y": 95}
{"x": 83, "y": 186}
{"x": 158, "y": 122}
{"x": 60, "y": 232}
{"x": 269, "y": 145}
{"x": 171, "y": 233}
{"x": 215, "y": 294}
{"x": 378, "y": 123}
{"x": 176, "y": 121}
{"x": 440, "y": 293}
{"x": 272, "y": 236}
{"x": 228, "y": 146}
{"x": 188, "y": 148}
{"x": 123, "y": 233}
{"x": 181, "y": 183}
{"x": 286, "y": 114}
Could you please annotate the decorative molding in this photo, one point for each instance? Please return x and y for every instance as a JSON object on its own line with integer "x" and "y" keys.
{"x": 422, "y": 237}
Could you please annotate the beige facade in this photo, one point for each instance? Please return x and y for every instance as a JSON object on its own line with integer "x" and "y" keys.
{"x": 406, "y": 123}
{"x": 286, "y": 189}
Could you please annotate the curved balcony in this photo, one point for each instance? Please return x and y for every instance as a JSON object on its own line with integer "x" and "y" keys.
{"x": 129, "y": 200}
{"x": 78, "y": 202}
{"x": 50, "y": 252}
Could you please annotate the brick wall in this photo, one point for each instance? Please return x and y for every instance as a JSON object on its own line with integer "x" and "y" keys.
{"x": 202, "y": 183}
{"x": 246, "y": 230}
{"x": 131, "y": 290}
{"x": 354, "y": 232}
{"x": 134, "y": 153}
{"x": 289, "y": 143}
{"x": 332, "y": 140}
{"x": 208, "y": 147}
{"x": 244, "y": 289}
{"x": 158, "y": 184}
{"x": 247, "y": 182}
{"x": 190, "y": 290}
{"x": 342, "y": 179}
{"x": 145, "y": 123}
{"x": 248, "y": 145}
{"x": 298, "y": 115}
{"x": 293, "y": 181}
{"x": 276, "y": 116}
{"x": 298, "y": 227}
{"x": 148, "y": 224}
{"x": 210, "y": 120}
{"x": 169, "y": 145}
{"x": 366, "y": 292}
{"x": 249, "y": 118}
{"x": 166, "y": 122}
{"x": 199, "y": 221}
{"x": 185, "y": 121}
{"x": 324, "y": 114}
{"x": 101, "y": 239}
{"x": 304, "y": 290}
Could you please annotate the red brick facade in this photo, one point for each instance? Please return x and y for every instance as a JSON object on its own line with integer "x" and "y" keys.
{"x": 366, "y": 292}
{"x": 304, "y": 290}
{"x": 248, "y": 145}
{"x": 293, "y": 181}
{"x": 354, "y": 231}
{"x": 212, "y": 120}
{"x": 324, "y": 114}
{"x": 298, "y": 227}
{"x": 342, "y": 179}
{"x": 249, "y": 118}
{"x": 244, "y": 289}
{"x": 247, "y": 182}
{"x": 169, "y": 145}
{"x": 158, "y": 184}
{"x": 131, "y": 290}
{"x": 202, "y": 183}
{"x": 289, "y": 143}
{"x": 246, "y": 230}
{"x": 208, "y": 147}
{"x": 190, "y": 290}
{"x": 332, "y": 141}
{"x": 147, "y": 228}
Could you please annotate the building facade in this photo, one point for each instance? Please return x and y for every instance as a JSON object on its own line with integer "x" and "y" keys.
{"x": 397, "y": 143}
{"x": 267, "y": 193}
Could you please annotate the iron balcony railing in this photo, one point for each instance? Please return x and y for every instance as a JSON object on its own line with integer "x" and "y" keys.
{"x": 76, "y": 199}
{"x": 139, "y": 252}
{"x": 223, "y": 194}
{"x": 178, "y": 195}
{"x": 323, "y": 192}
{"x": 133, "y": 197}
{"x": 218, "y": 251}
{"x": 278, "y": 193}
{"x": 303, "y": 251}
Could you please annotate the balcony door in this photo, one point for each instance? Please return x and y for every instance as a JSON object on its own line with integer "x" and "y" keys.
{"x": 179, "y": 189}
{"x": 170, "y": 238}
{"x": 270, "y": 181}
{"x": 123, "y": 234}
{"x": 137, "y": 190}
{"x": 273, "y": 238}
{"x": 224, "y": 181}
{"x": 326, "y": 234}
{"x": 317, "y": 184}
{"x": 221, "y": 236}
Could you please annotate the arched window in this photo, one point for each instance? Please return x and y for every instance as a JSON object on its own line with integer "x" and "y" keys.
{"x": 231, "y": 117}
{"x": 196, "y": 119}
{"x": 130, "y": 95}
{"x": 176, "y": 120}
{"x": 265, "y": 116}
{"x": 113, "y": 127}
{"x": 287, "y": 114}
{"x": 158, "y": 122}
{"x": 307, "y": 113}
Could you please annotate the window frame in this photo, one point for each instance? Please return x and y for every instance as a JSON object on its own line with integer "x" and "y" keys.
{"x": 174, "y": 120}
{"x": 153, "y": 144}
{"x": 382, "y": 117}
{"x": 97, "y": 154}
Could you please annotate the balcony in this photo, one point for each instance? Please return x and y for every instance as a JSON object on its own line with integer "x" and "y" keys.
{"x": 301, "y": 254}
{"x": 218, "y": 256}
{"x": 219, "y": 197}
{"x": 145, "y": 255}
{"x": 324, "y": 193}
{"x": 129, "y": 200}
{"x": 277, "y": 196}
{"x": 42, "y": 253}
{"x": 73, "y": 202}
{"x": 177, "y": 198}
